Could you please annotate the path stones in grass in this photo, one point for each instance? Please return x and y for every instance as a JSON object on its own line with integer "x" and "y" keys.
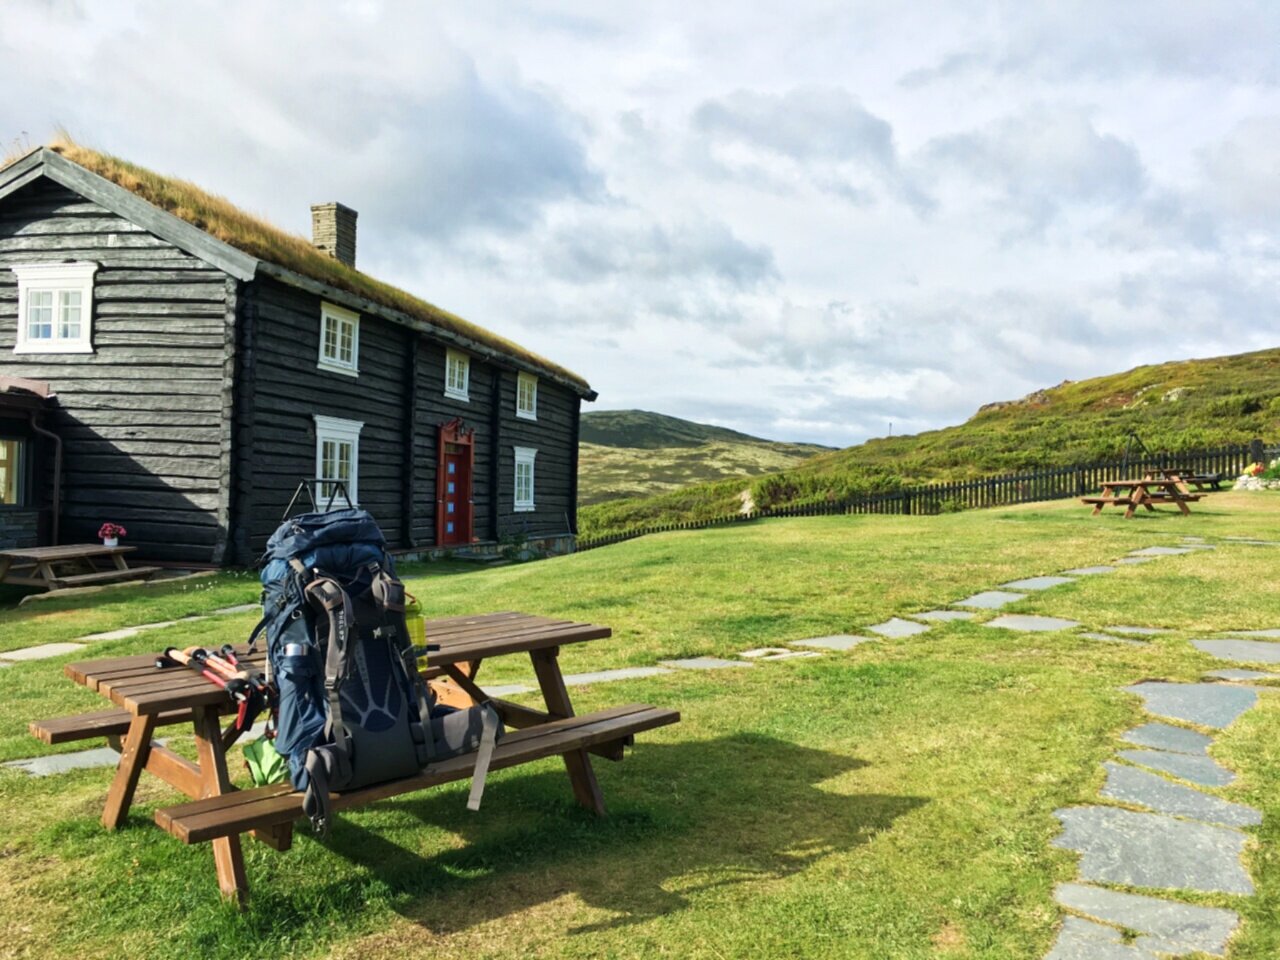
{"x": 943, "y": 616}
{"x": 608, "y": 676}
{"x": 1203, "y": 770}
{"x": 1262, "y": 634}
{"x": 65, "y": 762}
{"x": 1152, "y": 850}
{"x": 1090, "y": 571}
{"x": 238, "y": 608}
{"x": 1037, "y": 583}
{"x": 1137, "y": 631}
{"x": 778, "y": 653}
{"x": 1237, "y": 676}
{"x": 705, "y": 663}
{"x": 990, "y": 599}
{"x": 1169, "y": 927}
{"x": 897, "y": 627}
{"x": 1205, "y": 704}
{"x": 1160, "y": 551}
{"x": 1108, "y": 638}
{"x": 42, "y": 652}
{"x": 1085, "y": 940}
{"x": 1163, "y": 736}
{"x": 1131, "y": 561}
{"x": 510, "y": 689}
{"x": 1240, "y": 651}
{"x": 840, "y": 641}
{"x": 1131, "y": 785}
{"x": 1032, "y": 624}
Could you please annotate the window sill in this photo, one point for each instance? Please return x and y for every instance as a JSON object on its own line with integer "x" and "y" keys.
{"x": 525, "y": 415}
{"x": 351, "y": 372}
{"x": 52, "y": 346}
{"x": 525, "y": 508}
{"x": 455, "y": 395}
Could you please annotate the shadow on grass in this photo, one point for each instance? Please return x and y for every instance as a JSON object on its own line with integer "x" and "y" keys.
{"x": 690, "y": 816}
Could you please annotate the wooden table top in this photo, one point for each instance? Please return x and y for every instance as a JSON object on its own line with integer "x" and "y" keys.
{"x": 1149, "y": 482}
{"x": 70, "y": 551}
{"x": 137, "y": 685}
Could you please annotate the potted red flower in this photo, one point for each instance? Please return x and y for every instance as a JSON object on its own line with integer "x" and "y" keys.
{"x": 110, "y": 533}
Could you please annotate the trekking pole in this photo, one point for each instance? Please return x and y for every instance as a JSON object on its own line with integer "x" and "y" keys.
{"x": 237, "y": 688}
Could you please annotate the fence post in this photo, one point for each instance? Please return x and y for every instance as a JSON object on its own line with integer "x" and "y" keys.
{"x": 1257, "y": 452}
{"x": 906, "y": 501}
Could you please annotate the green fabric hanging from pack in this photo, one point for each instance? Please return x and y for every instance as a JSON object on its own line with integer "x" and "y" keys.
{"x": 265, "y": 764}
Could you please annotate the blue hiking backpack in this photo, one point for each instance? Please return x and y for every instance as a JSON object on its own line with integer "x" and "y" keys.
{"x": 353, "y": 708}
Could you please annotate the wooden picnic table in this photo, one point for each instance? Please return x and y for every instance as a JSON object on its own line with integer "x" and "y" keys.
{"x": 148, "y": 697}
{"x": 1146, "y": 492}
{"x": 70, "y": 565}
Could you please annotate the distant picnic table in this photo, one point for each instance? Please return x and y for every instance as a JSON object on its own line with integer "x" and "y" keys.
{"x": 146, "y": 698}
{"x": 1147, "y": 492}
{"x": 71, "y": 565}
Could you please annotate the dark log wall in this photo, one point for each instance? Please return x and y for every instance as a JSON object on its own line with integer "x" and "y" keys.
{"x": 141, "y": 416}
{"x": 554, "y": 436}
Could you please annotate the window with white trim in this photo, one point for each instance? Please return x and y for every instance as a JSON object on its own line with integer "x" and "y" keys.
{"x": 524, "y": 478}
{"x": 527, "y": 396}
{"x": 339, "y": 340}
{"x": 457, "y": 374}
{"x": 337, "y": 459}
{"x": 13, "y": 457}
{"x": 55, "y": 307}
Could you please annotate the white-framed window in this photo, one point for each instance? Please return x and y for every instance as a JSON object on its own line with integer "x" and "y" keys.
{"x": 527, "y": 396}
{"x": 55, "y": 307}
{"x": 13, "y": 457}
{"x": 524, "y": 478}
{"x": 457, "y": 374}
{"x": 339, "y": 340}
{"x": 337, "y": 458}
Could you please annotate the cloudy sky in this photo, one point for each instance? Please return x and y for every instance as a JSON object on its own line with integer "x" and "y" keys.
{"x": 805, "y": 220}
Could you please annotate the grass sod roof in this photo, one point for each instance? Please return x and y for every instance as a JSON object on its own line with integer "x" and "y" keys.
{"x": 253, "y": 235}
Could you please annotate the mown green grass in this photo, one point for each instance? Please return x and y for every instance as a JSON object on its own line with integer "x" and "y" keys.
{"x": 892, "y": 802}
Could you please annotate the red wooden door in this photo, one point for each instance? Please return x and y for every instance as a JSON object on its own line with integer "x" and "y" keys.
{"x": 454, "y": 508}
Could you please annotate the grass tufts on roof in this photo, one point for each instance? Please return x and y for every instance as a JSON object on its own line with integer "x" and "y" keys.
{"x": 254, "y": 235}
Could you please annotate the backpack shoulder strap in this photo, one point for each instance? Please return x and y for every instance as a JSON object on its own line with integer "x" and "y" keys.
{"x": 327, "y": 594}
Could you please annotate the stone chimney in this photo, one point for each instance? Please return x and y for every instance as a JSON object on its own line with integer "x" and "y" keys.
{"x": 333, "y": 230}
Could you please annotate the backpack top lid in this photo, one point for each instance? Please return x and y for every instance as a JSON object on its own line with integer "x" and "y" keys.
{"x": 306, "y": 532}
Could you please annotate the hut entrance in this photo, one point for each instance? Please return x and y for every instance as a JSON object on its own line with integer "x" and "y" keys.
{"x": 454, "y": 507}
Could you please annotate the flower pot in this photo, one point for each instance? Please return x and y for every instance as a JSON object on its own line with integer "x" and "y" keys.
{"x": 111, "y": 541}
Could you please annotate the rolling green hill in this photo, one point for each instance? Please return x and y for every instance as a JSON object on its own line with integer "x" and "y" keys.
{"x": 1182, "y": 405}
{"x": 630, "y": 453}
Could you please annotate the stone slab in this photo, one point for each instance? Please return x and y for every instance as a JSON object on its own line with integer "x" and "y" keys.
{"x": 1200, "y": 546}
{"x": 1032, "y": 624}
{"x": 840, "y": 641}
{"x": 1131, "y": 785}
{"x": 705, "y": 663}
{"x": 126, "y": 632}
{"x": 238, "y": 608}
{"x": 1186, "y": 539}
{"x": 1152, "y": 850}
{"x": 943, "y": 616}
{"x": 1237, "y": 676}
{"x": 1037, "y": 583}
{"x": 1090, "y": 571}
{"x": 1241, "y": 651}
{"x": 1085, "y": 940}
{"x": 1200, "y": 769}
{"x": 1137, "y": 631}
{"x": 1133, "y": 561}
{"x": 64, "y": 762}
{"x": 1160, "y": 551}
{"x": 897, "y": 627}
{"x": 1108, "y": 638}
{"x": 508, "y": 690}
{"x": 760, "y": 652}
{"x": 608, "y": 676}
{"x": 777, "y": 653}
{"x": 1206, "y": 704}
{"x": 41, "y": 652}
{"x": 1272, "y": 634}
{"x": 1182, "y": 926}
{"x": 1254, "y": 541}
{"x": 1162, "y": 736}
{"x": 990, "y": 599}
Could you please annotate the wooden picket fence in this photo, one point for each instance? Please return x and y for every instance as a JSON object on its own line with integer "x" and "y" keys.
{"x": 1058, "y": 483}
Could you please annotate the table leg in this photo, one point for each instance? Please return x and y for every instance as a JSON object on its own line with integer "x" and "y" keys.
{"x": 133, "y": 757}
{"x": 586, "y": 789}
{"x": 118, "y": 559}
{"x": 5, "y": 564}
{"x": 227, "y": 855}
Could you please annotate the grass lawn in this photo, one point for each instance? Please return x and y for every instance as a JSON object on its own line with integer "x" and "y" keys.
{"x": 891, "y": 802}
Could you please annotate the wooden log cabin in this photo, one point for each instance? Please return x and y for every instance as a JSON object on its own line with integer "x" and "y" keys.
{"x": 194, "y": 364}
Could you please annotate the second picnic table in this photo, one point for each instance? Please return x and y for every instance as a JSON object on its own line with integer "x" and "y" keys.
{"x": 69, "y": 565}
{"x": 147, "y": 698}
{"x": 1147, "y": 492}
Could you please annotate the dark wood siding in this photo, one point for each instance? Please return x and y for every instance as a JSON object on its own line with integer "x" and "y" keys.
{"x": 141, "y": 417}
{"x": 554, "y": 436}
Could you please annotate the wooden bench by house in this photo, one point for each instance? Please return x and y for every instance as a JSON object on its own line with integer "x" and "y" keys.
{"x": 71, "y": 565}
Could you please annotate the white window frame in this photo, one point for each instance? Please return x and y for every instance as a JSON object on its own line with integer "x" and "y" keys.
{"x": 58, "y": 279}
{"x": 451, "y": 357}
{"x": 530, "y": 412}
{"x": 333, "y": 314}
{"x": 337, "y": 430}
{"x": 524, "y": 457}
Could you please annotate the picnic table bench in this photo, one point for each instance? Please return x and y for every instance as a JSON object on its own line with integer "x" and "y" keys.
{"x": 71, "y": 565}
{"x": 147, "y": 698}
{"x": 1147, "y": 492}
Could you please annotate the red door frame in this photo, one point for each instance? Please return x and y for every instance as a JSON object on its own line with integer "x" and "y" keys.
{"x": 453, "y": 432}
